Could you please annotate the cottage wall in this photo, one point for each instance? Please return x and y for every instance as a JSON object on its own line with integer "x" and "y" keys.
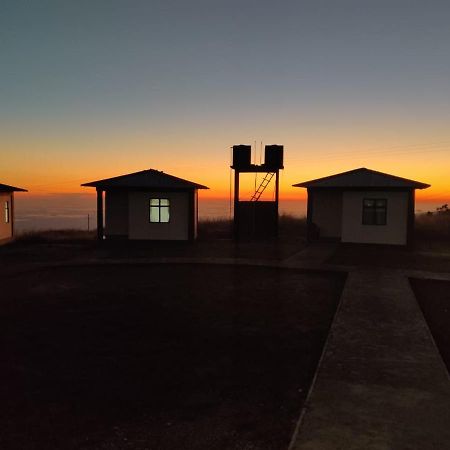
{"x": 116, "y": 213}
{"x": 395, "y": 230}
{"x": 139, "y": 225}
{"x": 327, "y": 212}
{"x": 6, "y": 229}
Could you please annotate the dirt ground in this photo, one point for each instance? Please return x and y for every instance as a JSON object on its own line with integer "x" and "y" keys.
{"x": 434, "y": 299}
{"x": 58, "y": 247}
{"x": 158, "y": 356}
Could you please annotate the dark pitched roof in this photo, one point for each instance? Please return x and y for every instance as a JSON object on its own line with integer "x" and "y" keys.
{"x": 149, "y": 179}
{"x": 362, "y": 178}
{"x": 7, "y": 188}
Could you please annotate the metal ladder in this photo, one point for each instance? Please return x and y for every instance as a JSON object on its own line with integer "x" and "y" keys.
{"x": 261, "y": 188}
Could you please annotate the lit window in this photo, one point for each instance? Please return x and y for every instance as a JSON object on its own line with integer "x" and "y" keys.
{"x": 6, "y": 212}
{"x": 374, "y": 211}
{"x": 159, "y": 210}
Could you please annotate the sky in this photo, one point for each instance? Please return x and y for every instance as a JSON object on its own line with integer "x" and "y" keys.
{"x": 91, "y": 89}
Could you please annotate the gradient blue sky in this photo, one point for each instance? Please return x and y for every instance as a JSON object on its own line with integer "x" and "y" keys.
{"x": 97, "y": 88}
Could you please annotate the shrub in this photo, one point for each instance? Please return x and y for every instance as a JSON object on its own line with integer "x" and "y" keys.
{"x": 434, "y": 225}
{"x": 219, "y": 228}
{"x": 54, "y": 235}
{"x": 222, "y": 228}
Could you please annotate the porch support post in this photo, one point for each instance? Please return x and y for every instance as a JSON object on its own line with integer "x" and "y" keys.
{"x": 192, "y": 224}
{"x": 277, "y": 200}
{"x": 411, "y": 219}
{"x": 99, "y": 214}
{"x": 11, "y": 215}
{"x": 236, "y": 204}
{"x": 309, "y": 215}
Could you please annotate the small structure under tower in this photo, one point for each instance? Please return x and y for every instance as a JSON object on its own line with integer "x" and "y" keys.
{"x": 256, "y": 219}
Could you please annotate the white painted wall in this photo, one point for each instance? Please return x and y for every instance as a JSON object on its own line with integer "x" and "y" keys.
{"x": 6, "y": 228}
{"x": 139, "y": 226}
{"x": 395, "y": 230}
{"x": 116, "y": 213}
{"x": 327, "y": 212}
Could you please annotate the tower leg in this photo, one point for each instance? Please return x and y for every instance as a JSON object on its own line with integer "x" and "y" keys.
{"x": 236, "y": 205}
{"x": 277, "y": 198}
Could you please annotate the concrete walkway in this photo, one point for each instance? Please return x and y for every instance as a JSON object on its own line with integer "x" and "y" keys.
{"x": 314, "y": 253}
{"x": 382, "y": 383}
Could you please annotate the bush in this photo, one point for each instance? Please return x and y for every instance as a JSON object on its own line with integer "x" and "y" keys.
{"x": 292, "y": 226}
{"x": 434, "y": 226}
{"x": 55, "y": 235}
{"x": 222, "y": 228}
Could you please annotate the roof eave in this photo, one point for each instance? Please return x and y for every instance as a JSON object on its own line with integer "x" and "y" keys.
{"x": 313, "y": 185}
{"x": 12, "y": 189}
{"x": 130, "y": 188}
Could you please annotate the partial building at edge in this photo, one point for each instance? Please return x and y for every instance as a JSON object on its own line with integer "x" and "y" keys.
{"x": 147, "y": 205}
{"x": 7, "y": 206}
{"x": 361, "y": 206}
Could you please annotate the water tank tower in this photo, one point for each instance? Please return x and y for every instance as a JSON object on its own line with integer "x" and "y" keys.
{"x": 256, "y": 219}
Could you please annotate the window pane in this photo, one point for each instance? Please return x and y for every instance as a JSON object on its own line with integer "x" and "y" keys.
{"x": 154, "y": 201}
{"x": 164, "y": 213}
{"x": 380, "y": 215}
{"x": 154, "y": 214}
{"x": 368, "y": 217}
{"x": 374, "y": 211}
{"x": 164, "y": 202}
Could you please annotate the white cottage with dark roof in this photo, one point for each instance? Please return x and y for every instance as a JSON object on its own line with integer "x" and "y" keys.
{"x": 361, "y": 206}
{"x": 149, "y": 205}
{"x": 7, "y": 205}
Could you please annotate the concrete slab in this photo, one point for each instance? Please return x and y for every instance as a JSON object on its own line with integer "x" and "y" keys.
{"x": 314, "y": 253}
{"x": 382, "y": 383}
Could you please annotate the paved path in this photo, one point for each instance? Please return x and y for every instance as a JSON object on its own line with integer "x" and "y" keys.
{"x": 382, "y": 383}
{"x": 314, "y": 253}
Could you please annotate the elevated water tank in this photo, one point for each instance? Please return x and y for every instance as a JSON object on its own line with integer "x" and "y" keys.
{"x": 273, "y": 157}
{"x": 241, "y": 156}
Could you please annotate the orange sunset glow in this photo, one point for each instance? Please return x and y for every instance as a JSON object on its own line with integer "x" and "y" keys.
{"x": 123, "y": 95}
{"x": 37, "y": 166}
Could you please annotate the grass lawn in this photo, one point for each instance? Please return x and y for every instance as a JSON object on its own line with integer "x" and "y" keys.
{"x": 434, "y": 299}
{"x": 159, "y": 356}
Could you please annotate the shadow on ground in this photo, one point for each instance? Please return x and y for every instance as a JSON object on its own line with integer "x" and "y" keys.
{"x": 434, "y": 300}
{"x": 159, "y": 356}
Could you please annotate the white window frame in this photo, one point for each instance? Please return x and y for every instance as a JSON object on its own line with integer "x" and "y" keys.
{"x": 159, "y": 205}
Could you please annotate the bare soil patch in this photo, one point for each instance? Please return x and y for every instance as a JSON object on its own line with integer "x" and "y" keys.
{"x": 159, "y": 356}
{"x": 43, "y": 248}
{"x": 434, "y": 299}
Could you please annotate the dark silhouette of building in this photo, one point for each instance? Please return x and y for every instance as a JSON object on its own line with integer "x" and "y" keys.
{"x": 7, "y": 217}
{"x": 147, "y": 205}
{"x": 362, "y": 206}
{"x": 256, "y": 219}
